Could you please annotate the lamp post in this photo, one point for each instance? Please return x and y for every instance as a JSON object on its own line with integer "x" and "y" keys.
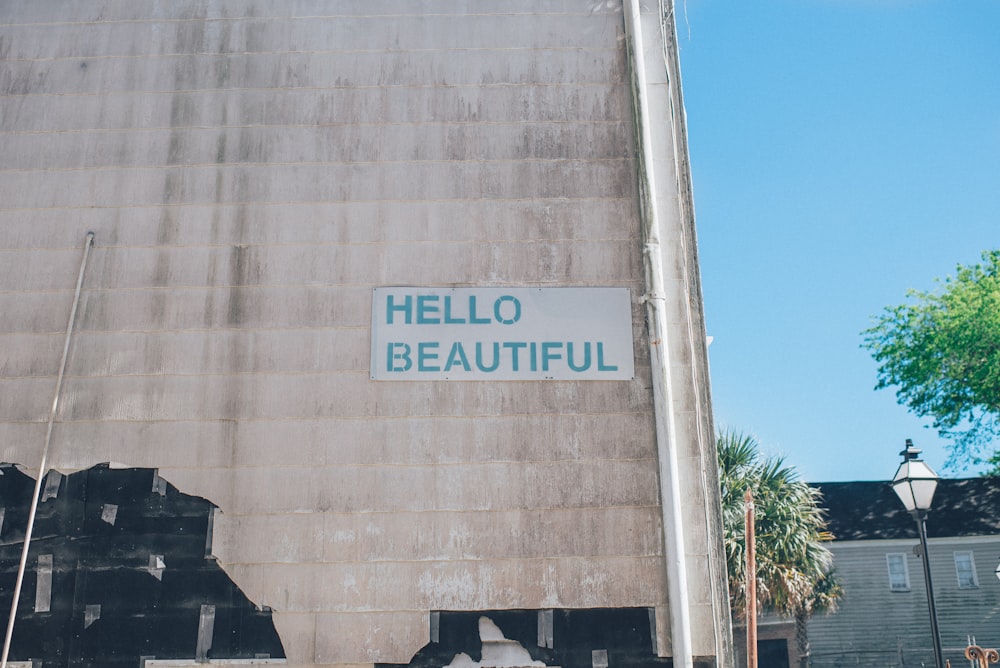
{"x": 914, "y": 484}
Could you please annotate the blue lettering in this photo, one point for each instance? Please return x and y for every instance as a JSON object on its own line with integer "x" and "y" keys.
{"x": 533, "y": 349}
{"x": 499, "y": 316}
{"x": 473, "y": 320}
{"x": 496, "y": 357}
{"x": 403, "y": 357}
{"x": 586, "y": 357}
{"x": 601, "y": 366}
{"x": 548, "y": 355}
{"x": 457, "y": 355}
{"x": 426, "y": 305}
{"x": 406, "y": 307}
{"x": 515, "y": 346}
{"x": 448, "y": 320}
{"x": 424, "y": 355}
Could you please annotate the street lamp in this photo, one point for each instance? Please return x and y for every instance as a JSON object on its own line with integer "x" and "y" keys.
{"x": 914, "y": 484}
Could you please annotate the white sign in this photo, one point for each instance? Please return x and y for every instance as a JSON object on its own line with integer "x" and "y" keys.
{"x": 501, "y": 334}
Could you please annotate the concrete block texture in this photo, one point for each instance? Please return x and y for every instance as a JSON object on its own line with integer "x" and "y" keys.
{"x": 251, "y": 171}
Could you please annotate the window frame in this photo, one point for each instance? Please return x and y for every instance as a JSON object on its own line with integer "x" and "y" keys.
{"x": 972, "y": 570}
{"x": 903, "y": 586}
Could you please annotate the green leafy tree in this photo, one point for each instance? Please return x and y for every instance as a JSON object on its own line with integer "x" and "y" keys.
{"x": 941, "y": 350}
{"x": 794, "y": 568}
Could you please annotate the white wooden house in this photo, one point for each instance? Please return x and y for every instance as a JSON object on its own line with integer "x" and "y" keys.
{"x": 883, "y": 617}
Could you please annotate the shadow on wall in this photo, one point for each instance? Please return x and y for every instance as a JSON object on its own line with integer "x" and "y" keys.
{"x": 120, "y": 569}
{"x": 592, "y": 638}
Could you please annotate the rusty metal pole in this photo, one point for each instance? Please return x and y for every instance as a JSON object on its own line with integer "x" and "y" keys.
{"x": 751, "y": 580}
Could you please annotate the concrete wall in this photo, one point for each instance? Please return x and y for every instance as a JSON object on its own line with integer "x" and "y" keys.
{"x": 251, "y": 171}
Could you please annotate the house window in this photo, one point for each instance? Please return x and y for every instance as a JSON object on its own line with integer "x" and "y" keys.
{"x": 965, "y": 569}
{"x": 899, "y": 574}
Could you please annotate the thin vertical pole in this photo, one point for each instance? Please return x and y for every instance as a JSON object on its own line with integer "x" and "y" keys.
{"x": 751, "y": 580}
{"x": 935, "y": 632}
{"x": 45, "y": 453}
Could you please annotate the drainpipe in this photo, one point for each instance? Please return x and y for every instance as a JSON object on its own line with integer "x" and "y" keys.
{"x": 656, "y": 317}
{"x": 45, "y": 452}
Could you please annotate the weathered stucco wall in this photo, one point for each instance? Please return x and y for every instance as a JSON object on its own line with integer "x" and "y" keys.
{"x": 251, "y": 171}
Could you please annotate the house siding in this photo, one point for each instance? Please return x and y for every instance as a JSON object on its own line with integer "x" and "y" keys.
{"x": 876, "y": 627}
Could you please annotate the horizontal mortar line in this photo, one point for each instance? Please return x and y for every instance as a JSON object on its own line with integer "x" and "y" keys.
{"x": 316, "y": 52}
{"x": 119, "y": 422}
{"x": 340, "y": 418}
{"x": 642, "y": 601}
{"x": 188, "y": 330}
{"x": 226, "y": 373}
{"x": 345, "y": 124}
{"x": 234, "y": 515}
{"x": 290, "y": 18}
{"x": 320, "y": 560}
{"x": 362, "y": 561}
{"x": 313, "y": 466}
{"x": 209, "y": 374}
{"x": 110, "y": 333}
{"x": 357, "y": 286}
{"x": 354, "y": 163}
{"x": 254, "y": 203}
{"x": 333, "y": 463}
{"x": 166, "y": 467}
{"x": 424, "y": 464}
{"x": 218, "y": 245}
{"x": 242, "y": 374}
{"x": 543, "y": 202}
{"x": 231, "y": 204}
{"x": 149, "y": 415}
{"x": 87, "y": 289}
{"x": 423, "y": 612}
{"x": 371, "y": 86}
{"x": 109, "y": 375}
{"x": 194, "y": 330}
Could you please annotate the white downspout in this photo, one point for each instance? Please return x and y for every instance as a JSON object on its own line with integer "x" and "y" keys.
{"x": 666, "y": 431}
{"x": 45, "y": 453}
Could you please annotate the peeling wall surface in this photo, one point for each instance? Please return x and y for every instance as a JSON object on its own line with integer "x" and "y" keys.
{"x": 121, "y": 568}
{"x": 252, "y": 171}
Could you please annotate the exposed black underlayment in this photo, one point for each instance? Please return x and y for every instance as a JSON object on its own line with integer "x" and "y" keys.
{"x": 127, "y": 541}
{"x": 594, "y": 638}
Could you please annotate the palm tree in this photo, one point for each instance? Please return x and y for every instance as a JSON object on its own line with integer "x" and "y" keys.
{"x": 794, "y": 568}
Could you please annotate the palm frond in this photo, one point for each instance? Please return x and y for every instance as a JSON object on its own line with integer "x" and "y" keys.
{"x": 794, "y": 568}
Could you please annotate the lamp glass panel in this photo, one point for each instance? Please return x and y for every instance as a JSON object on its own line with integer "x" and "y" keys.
{"x": 914, "y": 484}
{"x": 905, "y": 494}
{"x": 923, "y": 493}
{"x": 920, "y": 470}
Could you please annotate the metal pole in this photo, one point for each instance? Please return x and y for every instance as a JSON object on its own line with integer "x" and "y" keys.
{"x": 751, "y": 580}
{"x": 921, "y": 518}
{"x": 45, "y": 454}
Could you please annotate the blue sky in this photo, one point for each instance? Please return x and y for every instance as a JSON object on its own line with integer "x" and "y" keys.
{"x": 843, "y": 152}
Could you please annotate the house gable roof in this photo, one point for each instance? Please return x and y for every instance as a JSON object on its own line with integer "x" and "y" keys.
{"x": 870, "y": 510}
